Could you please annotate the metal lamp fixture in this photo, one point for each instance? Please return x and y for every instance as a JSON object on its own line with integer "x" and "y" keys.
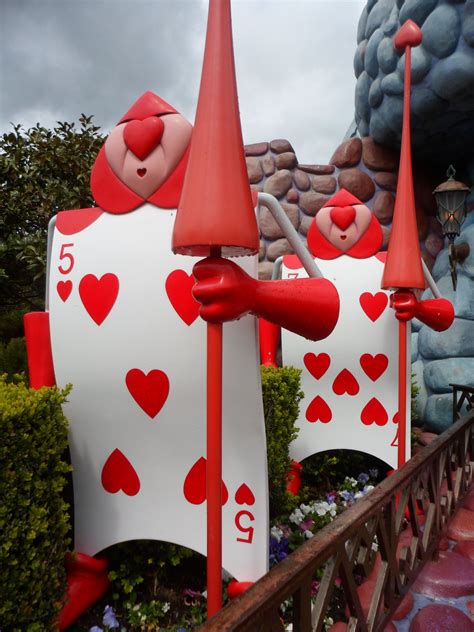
{"x": 450, "y": 199}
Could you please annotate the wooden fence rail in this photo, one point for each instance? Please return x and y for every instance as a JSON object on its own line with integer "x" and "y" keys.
{"x": 426, "y": 489}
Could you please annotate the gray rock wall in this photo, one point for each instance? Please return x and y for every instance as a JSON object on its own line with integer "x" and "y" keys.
{"x": 442, "y": 76}
{"x": 441, "y": 358}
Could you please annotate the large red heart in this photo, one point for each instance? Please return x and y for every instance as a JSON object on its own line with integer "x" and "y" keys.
{"x": 150, "y": 391}
{"x": 318, "y": 410}
{"x": 64, "y": 289}
{"x": 373, "y": 304}
{"x": 141, "y": 137}
{"x": 99, "y": 295}
{"x": 179, "y": 287}
{"x": 194, "y": 488}
{"x": 244, "y": 495}
{"x": 373, "y": 366}
{"x": 345, "y": 382}
{"x": 343, "y": 216}
{"x": 119, "y": 474}
{"x": 317, "y": 365}
{"x": 374, "y": 412}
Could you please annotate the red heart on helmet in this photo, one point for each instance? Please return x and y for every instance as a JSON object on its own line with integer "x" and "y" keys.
{"x": 343, "y": 216}
{"x": 141, "y": 137}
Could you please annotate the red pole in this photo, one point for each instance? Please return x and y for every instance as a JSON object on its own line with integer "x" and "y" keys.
{"x": 402, "y": 392}
{"x": 214, "y": 468}
{"x": 402, "y": 327}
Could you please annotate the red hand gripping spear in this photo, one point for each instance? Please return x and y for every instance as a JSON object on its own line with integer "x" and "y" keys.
{"x": 403, "y": 267}
{"x": 216, "y": 216}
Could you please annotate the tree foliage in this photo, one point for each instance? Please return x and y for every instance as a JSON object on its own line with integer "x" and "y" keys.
{"x": 42, "y": 171}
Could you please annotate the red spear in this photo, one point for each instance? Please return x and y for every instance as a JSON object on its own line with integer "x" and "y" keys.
{"x": 403, "y": 268}
{"x": 216, "y": 217}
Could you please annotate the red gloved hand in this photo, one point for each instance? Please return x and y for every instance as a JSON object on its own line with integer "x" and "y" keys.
{"x": 405, "y": 304}
{"x": 224, "y": 290}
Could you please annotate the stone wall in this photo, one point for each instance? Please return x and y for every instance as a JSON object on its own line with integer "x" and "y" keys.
{"x": 361, "y": 166}
{"x": 442, "y": 108}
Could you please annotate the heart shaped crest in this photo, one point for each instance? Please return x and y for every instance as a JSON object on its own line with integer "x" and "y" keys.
{"x": 409, "y": 35}
{"x": 141, "y": 137}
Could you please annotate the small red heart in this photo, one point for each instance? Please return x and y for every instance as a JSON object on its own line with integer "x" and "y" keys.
{"x": 395, "y": 418}
{"x": 194, "y": 488}
{"x": 292, "y": 262}
{"x": 141, "y": 137}
{"x": 64, "y": 289}
{"x": 244, "y": 495}
{"x": 318, "y": 410}
{"x": 179, "y": 287}
{"x": 98, "y": 295}
{"x": 373, "y": 304}
{"x": 373, "y": 366}
{"x": 374, "y": 412}
{"x": 345, "y": 382}
{"x": 141, "y": 172}
{"x": 317, "y": 365}
{"x": 119, "y": 474}
{"x": 71, "y": 222}
{"x": 343, "y": 216}
{"x": 150, "y": 391}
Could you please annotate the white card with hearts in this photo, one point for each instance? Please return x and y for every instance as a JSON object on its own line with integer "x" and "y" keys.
{"x": 349, "y": 379}
{"x": 126, "y": 333}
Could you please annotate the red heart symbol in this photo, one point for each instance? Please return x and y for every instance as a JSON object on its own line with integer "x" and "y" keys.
{"x": 374, "y": 412}
{"x": 317, "y": 365}
{"x": 244, "y": 495}
{"x": 71, "y": 222}
{"x": 345, "y": 382}
{"x": 194, "y": 488}
{"x": 373, "y": 366}
{"x": 179, "y": 287}
{"x": 318, "y": 410}
{"x": 343, "y": 216}
{"x": 98, "y": 295}
{"x": 141, "y": 137}
{"x": 150, "y": 391}
{"x": 409, "y": 34}
{"x": 64, "y": 289}
{"x": 119, "y": 474}
{"x": 395, "y": 418}
{"x": 373, "y": 304}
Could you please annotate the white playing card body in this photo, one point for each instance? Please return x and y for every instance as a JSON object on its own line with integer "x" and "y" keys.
{"x": 355, "y": 334}
{"x": 143, "y": 331}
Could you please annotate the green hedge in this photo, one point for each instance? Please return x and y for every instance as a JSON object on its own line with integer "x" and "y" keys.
{"x": 13, "y": 357}
{"x": 33, "y": 515}
{"x": 281, "y": 398}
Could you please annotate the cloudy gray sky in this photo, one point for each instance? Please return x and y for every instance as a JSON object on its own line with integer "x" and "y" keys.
{"x": 294, "y": 63}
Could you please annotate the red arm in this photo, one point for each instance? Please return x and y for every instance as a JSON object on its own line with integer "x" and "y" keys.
{"x": 38, "y": 348}
{"x": 437, "y": 313}
{"x": 308, "y": 307}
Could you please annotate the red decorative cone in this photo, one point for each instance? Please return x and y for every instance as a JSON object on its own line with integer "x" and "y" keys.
{"x": 215, "y": 209}
{"x": 403, "y": 267}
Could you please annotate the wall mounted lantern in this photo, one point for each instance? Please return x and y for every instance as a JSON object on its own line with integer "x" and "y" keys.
{"x": 451, "y": 202}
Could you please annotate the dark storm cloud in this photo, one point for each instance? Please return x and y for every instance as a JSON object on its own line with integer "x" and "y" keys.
{"x": 293, "y": 58}
{"x": 63, "y": 57}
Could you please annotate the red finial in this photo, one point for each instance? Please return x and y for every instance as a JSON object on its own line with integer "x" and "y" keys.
{"x": 215, "y": 210}
{"x": 403, "y": 267}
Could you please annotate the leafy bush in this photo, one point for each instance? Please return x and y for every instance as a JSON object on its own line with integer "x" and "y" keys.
{"x": 33, "y": 515}
{"x": 281, "y": 398}
{"x": 13, "y": 357}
